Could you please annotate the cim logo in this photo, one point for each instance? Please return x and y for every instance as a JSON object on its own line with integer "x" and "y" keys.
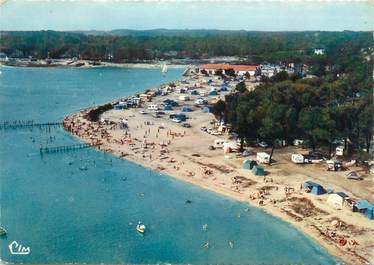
{"x": 18, "y": 249}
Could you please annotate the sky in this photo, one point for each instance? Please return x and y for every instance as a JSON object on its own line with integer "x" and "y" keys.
{"x": 296, "y": 15}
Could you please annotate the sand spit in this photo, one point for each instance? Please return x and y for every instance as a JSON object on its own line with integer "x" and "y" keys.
{"x": 155, "y": 141}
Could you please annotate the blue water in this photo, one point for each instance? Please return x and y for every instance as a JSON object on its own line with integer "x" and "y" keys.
{"x": 68, "y": 215}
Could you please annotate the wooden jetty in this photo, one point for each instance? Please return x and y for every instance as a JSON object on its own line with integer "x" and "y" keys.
{"x": 64, "y": 148}
{"x": 27, "y": 124}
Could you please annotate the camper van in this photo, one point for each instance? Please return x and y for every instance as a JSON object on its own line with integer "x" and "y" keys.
{"x": 263, "y": 157}
{"x": 219, "y": 143}
{"x": 184, "y": 98}
{"x": 298, "y": 159}
{"x": 153, "y": 107}
{"x": 339, "y": 151}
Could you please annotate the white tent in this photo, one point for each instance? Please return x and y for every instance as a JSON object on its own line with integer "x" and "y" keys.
{"x": 337, "y": 199}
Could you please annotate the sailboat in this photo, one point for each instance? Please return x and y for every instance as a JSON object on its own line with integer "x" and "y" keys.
{"x": 164, "y": 68}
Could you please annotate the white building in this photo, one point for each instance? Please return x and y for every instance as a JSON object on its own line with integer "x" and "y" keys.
{"x": 238, "y": 69}
{"x": 319, "y": 51}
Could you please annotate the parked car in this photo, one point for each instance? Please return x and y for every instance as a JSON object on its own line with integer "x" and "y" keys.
{"x": 176, "y": 120}
{"x": 204, "y": 129}
{"x": 263, "y": 144}
{"x": 186, "y": 125}
{"x": 334, "y": 165}
{"x": 353, "y": 175}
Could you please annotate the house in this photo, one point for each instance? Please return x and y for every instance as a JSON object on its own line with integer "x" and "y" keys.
{"x": 319, "y": 51}
{"x": 337, "y": 200}
{"x": 313, "y": 187}
{"x": 258, "y": 171}
{"x": 365, "y": 207}
{"x": 225, "y": 68}
{"x": 263, "y": 157}
{"x": 3, "y": 57}
{"x": 249, "y": 164}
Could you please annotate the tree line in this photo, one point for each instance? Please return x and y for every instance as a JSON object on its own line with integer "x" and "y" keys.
{"x": 322, "y": 110}
{"x": 120, "y": 46}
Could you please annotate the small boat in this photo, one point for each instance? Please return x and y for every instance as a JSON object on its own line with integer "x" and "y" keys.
{"x": 2, "y": 231}
{"x": 206, "y": 245}
{"x": 83, "y": 168}
{"x": 205, "y": 227}
{"x": 140, "y": 228}
{"x": 231, "y": 244}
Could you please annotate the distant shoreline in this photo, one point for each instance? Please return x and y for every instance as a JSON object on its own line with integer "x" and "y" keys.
{"x": 87, "y": 64}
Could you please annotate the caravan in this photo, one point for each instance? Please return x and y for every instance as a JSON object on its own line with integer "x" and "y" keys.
{"x": 298, "y": 159}
{"x": 153, "y": 107}
{"x": 263, "y": 157}
{"x": 219, "y": 143}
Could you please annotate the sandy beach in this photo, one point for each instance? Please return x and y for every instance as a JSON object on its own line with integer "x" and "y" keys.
{"x": 157, "y": 142}
{"x": 87, "y": 64}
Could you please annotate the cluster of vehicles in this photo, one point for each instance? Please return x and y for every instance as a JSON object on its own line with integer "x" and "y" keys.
{"x": 210, "y": 131}
{"x": 318, "y": 157}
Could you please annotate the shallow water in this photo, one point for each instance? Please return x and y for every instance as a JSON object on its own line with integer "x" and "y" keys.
{"x": 65, "y": 214}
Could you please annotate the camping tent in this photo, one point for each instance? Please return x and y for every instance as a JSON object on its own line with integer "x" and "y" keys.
{"x": 180, "y": 116}
{"x": 337, "y": 199}
{"x": 168, "y": 107}
{"x": 314, "y": 188}
{"x": 213, "y": 93}
{"x": 258, "y": 171}
{"x": 194, "y": 92}
{"x": 186, "y": 109}
{"x": 366, "y": 208}
{"x": 249, "y": 164}
{"x": 170, "y": 102}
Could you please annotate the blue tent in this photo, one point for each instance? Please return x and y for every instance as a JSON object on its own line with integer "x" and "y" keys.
{"x": 170, "y": 102}
{"x": 258, "y": 171}
{"x": 366, "y": 208}
{"x": 180, "y": 116}
{"x": 249, "y": 164}
{"x": 224, "y": 88}
{"x": 194, "y": 92}
{"x": 213, "y": 93}
{"x": 314, "y": 188}
{"x": 186, "y": 109}
{"x": 168, "y": 107}
{"x": 207, "y": 109}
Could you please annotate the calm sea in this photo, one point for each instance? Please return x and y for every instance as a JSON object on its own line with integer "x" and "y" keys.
{"x": 66, "y": 215}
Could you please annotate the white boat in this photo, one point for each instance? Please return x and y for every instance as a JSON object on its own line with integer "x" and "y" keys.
{"x": 140, "y": 228}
